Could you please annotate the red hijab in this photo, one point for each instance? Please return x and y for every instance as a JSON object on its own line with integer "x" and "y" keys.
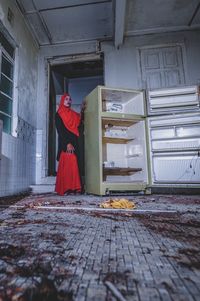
{"x": 70, "y": 118}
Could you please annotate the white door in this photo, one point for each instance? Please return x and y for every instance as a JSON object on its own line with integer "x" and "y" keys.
{"x": 162, "y": 67}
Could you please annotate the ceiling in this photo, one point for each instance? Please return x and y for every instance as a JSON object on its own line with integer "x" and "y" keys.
{"x": 62, "y": 21}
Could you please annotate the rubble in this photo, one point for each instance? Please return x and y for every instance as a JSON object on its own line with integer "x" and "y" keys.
{"x": 71, "y": 254}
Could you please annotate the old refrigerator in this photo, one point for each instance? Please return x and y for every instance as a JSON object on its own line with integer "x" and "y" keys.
{"x": 116, "y": 148}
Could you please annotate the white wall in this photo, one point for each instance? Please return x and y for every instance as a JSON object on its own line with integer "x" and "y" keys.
{"x": 122, "y": 67}
{"x": 17, "y": 167}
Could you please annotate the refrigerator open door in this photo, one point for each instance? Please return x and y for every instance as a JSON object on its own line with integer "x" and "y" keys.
{"x": 173, "y": 100}
{"x": 175, "y": 150}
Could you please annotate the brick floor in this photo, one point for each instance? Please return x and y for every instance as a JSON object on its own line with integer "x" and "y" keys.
{"x": 56, "y": 254}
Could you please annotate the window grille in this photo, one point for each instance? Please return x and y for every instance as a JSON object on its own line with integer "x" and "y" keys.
{"x": 6, "y": 82}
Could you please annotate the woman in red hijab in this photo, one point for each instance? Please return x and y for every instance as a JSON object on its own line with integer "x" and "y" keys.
{"x": 67, "y": 123}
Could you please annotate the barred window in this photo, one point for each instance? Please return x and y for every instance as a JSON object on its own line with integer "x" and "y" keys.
{"x": 6, "y": 82}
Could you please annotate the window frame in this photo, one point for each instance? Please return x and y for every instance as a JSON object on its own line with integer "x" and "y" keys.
{"x": 10, "y": 59}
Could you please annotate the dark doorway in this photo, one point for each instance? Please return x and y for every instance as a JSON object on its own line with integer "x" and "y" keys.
{"x": 78, "y": 79}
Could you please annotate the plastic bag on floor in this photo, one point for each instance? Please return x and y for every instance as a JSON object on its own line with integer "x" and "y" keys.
{"x": 118, "y": 204}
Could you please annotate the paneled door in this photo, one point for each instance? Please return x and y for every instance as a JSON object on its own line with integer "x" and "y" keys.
{"x": 162, "y": 67}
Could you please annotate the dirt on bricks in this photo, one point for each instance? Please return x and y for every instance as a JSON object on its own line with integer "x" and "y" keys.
{"x": 62, "y": 255}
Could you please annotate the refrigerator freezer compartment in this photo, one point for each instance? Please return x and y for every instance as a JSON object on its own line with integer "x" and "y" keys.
{"x": 181, "y": 99}
{"x": 122, "y": 101}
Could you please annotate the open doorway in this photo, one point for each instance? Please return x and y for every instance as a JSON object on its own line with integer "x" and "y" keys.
{"x": 78, "y": 79}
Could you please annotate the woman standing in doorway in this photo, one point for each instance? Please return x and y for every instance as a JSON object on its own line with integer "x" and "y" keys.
{"x": 67, "y": 123}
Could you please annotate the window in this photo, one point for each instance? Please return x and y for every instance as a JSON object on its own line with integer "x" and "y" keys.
{"x": 6, "y": 82}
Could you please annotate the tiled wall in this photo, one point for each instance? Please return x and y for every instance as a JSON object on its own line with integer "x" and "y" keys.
{"x": 17, "y": 164}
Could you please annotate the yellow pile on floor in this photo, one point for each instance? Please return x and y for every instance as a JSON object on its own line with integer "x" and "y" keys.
{"x": 118, "y": 204}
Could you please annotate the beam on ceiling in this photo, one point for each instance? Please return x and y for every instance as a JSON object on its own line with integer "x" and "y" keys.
{"x": 67, "y": 6}
{"x": 119, "y": 21}
{"x": 158, "y": 30}
{"x": 194, "y": 14}
{"x": 42, "y": 22}
{"x": 79, "y": 41}
{"x": 45, "y": 28}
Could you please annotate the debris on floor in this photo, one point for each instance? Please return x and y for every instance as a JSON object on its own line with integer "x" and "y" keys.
{"x": 89, "y": 253}
{"x": 118, "y": 204}
{"x": 114, "y": 291}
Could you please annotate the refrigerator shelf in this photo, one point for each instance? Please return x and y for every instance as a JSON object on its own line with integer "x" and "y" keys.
{"x": 174, "y": 138}
{"x": 116, "y": 140}
{"x": 118, "y": 122}
{"x": 120, "y": 171}
{"x": 167, "y": 150}
{"x": 177, "y": 182}
{"x": 166, "y": 125}
{"x": 176, "y": 155}
{"x": 188, "y": 90}
{"x": 180, "y": 104}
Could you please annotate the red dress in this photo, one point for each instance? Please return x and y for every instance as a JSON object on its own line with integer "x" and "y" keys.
{"x": 68, "y": 179}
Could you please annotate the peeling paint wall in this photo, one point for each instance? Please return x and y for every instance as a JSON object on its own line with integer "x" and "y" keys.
{"x": 17, "y": 167}
{"x": 122, "y": 67}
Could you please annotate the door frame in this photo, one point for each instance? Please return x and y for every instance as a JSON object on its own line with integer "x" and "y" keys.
{"x": 55, "y": 61}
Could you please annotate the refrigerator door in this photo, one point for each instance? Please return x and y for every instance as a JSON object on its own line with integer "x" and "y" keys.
{"x": 175, "y": 149}
{"x": 164, "y": 101}
{"x": 125, "y": 102}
